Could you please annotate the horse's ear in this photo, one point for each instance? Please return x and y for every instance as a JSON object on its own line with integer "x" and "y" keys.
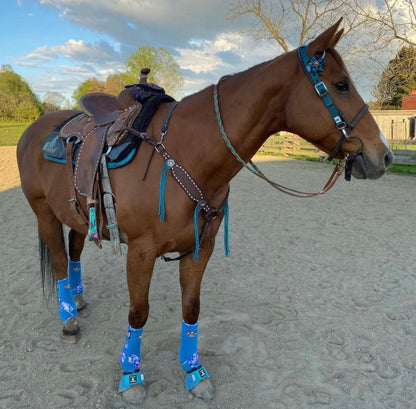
{"x": 328, "y": 39}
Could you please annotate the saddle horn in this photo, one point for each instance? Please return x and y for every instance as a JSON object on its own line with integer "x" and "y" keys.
{"x": 143, "y": 75}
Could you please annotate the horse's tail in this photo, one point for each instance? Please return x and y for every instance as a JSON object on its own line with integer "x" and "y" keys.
{"x": 47, "y": 272}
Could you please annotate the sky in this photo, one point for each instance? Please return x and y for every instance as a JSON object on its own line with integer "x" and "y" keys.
{"x": 57, "y": 44}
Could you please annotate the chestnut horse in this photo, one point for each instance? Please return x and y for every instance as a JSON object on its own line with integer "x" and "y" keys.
{"x": 244, "y": 110}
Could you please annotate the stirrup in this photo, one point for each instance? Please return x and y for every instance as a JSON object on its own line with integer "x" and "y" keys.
{"x": 130, "y": 379}
{"x": 195, "y": 377}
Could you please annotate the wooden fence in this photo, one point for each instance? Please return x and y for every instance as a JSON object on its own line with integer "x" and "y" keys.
{"x": 287, "y": 144}
{"x": 397, "y": 126}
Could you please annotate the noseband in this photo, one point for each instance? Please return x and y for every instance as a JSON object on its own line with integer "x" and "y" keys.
{"x": 311, "y": 67}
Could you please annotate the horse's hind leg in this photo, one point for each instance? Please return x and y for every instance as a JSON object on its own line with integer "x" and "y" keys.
{"x": 197, "y": 377}
{"x": 75, "y": 246}
{"x": 51, "y": 234}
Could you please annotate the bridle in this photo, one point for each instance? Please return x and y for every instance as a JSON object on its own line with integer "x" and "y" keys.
{"x": 311, "y": 67}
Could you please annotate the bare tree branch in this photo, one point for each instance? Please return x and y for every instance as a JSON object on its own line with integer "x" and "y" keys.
{"x": 392, "y": 20}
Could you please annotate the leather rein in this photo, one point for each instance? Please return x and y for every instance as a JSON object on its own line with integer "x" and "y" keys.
{"x": 311, "y": 67}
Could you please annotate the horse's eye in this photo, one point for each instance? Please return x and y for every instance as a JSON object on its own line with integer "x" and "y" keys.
{"x": 342, "y": 86}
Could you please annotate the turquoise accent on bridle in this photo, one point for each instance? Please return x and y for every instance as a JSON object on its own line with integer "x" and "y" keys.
{"x": 311, "y": 67}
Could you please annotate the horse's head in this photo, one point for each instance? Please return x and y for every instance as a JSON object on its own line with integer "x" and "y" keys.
{"x": 327, "y": 110}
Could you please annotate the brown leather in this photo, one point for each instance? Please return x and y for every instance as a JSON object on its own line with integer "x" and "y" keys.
{"x": 104, "y": 122}
{"x": 118, "y": 129}
{"x": 75, "y": 127}
{"x": 102, "y": 107}
{"x": 88, "y": 160}
{"x": 73, "y": 202}
{"x": 125, "y": 99}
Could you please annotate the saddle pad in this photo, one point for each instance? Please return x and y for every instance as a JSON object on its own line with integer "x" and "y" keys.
{"x": 54, "y": 149}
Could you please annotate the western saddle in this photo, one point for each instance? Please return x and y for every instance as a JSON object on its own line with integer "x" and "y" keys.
{"x": 105, "y": 121}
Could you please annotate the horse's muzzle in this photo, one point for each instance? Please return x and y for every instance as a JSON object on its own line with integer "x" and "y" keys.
{"x": 364, "y": 168}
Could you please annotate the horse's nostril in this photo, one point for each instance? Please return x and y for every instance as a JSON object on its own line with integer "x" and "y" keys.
{"x": 388, "y": 159}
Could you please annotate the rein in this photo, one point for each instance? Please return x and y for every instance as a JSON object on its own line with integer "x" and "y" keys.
{"x": 251, "y": 166}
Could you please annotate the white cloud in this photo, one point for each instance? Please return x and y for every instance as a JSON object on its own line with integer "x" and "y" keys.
{"x": 77, "y": 50}
{"x": 140, "y": 22}
{"x": 226, "y": 54}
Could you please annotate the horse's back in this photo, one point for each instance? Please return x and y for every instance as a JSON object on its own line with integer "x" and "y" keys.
{"x": 29, "y": 155}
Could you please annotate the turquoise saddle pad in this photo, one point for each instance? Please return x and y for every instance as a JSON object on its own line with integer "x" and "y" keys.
{"x": 54, "y": 149}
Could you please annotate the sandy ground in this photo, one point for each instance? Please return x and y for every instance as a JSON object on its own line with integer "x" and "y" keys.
{"x": 314, "y": 309}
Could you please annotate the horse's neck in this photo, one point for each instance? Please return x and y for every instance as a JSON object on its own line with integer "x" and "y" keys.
{"x": 252, "y": 107}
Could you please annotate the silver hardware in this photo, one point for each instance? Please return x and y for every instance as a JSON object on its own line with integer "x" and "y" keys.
{"x": 321, "y": 89}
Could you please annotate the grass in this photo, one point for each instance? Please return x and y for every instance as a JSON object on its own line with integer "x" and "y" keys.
{"x": 398, "y": 168}
{"x": 10, "y": 132}
{"x": 399, "y": 146}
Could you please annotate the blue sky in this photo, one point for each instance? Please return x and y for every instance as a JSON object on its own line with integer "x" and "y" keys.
{"x": 57, "y": 44}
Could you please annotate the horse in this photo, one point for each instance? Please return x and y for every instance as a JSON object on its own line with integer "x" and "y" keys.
{"x": 211, "y": 136}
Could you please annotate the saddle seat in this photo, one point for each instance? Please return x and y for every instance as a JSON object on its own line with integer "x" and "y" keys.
{"x": 106, "y": 108}
{"x": 102, "y": 107}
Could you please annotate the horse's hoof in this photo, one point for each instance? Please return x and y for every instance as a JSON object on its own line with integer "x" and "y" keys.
{"x": 204, "y": 390}
{"x": 82, "y": 309}
{"x": 70, "y": 331}
{"x": 135, "y": 395}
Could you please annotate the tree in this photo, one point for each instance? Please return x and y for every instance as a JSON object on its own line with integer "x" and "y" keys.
{"x": 290, "y": 22}
{"x": 389, "y": 20}
{"x": 397, "y": 80}
{"x": 17, "y": 100}
{"x": 53, "y": 101}
{"x": 114, "y": 84}
{"x": 90, "y": 85}
{"x": 164, "y": 72}
{"x": 164, "y": 69}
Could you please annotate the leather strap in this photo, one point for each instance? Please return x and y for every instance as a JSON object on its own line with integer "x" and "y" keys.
{"x": 73, "y": 201}
{"x": 337, "y": 172}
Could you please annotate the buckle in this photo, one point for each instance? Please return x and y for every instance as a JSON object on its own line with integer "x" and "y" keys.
{"x": 321, "y": 89}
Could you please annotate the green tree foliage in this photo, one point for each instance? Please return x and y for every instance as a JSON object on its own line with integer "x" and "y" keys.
{"x": 90, "y": 85}
{"x": 397, "y": 80}
{"x": 164, "y": 69}
{"x": 114, "y": 84}
{"x": 164, "y": 72}
{"x": 17, "y": 100}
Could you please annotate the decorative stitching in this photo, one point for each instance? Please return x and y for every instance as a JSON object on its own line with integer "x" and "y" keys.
{"x": 77, "y": 163}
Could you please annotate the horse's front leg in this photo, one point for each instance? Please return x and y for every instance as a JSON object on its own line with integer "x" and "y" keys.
{"x": 75, "y": 246}
{"x": 191, "y": 273}
{"x": 140, "y": 265}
